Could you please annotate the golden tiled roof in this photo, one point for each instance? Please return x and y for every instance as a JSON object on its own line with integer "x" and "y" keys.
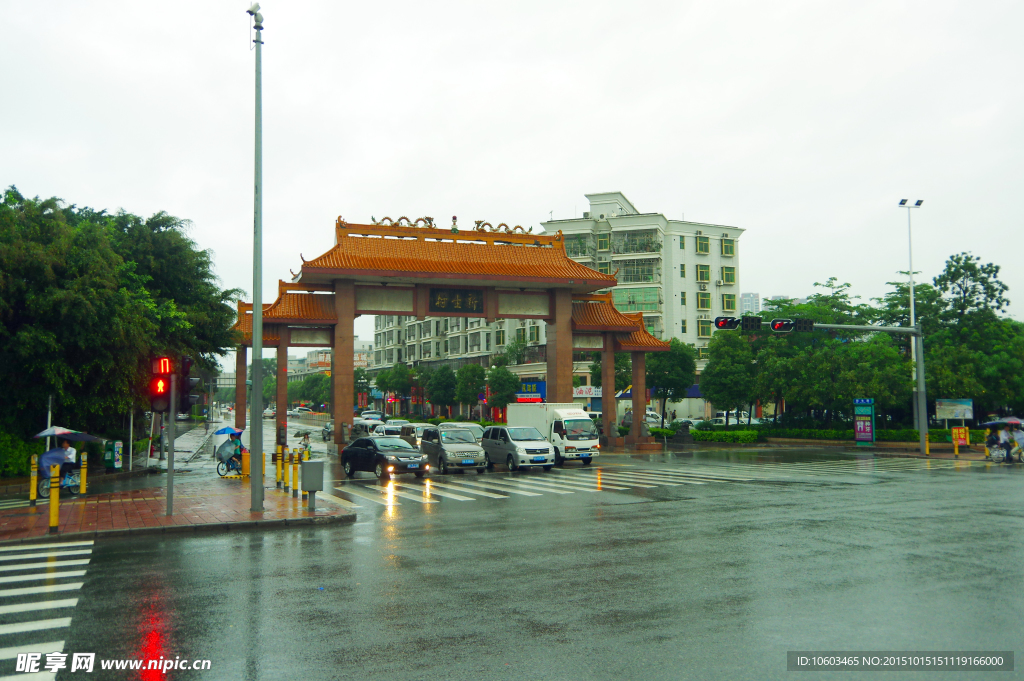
{"x": 492, "y": 257}
{"x": 599, "y": 316}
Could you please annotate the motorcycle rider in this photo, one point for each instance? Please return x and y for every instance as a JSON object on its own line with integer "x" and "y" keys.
{"x": 1018, "y": 438}
{"x": 1006, "y": 441}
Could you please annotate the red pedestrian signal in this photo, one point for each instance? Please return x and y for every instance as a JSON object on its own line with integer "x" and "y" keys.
{"x": 782, "y": 325}
{"x": 726, "y": 322}
{"x": 163, "y": 366}
{"x": 160, "y": 384}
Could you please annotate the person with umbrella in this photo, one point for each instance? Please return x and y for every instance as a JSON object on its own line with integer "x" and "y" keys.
{"x": 232, "y": 447}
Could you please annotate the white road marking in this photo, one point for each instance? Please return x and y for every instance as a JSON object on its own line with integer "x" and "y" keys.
{"x": 344, "y": 503}
{"x": 33, "y": 590}
{"x": 376, "y": 498}
{"x": 37, "y": 625}
{"x": 42, "y": 575}
{"x": 427, "y": 489}
{"x": 610, "y": 478}
{"x": 502, "y": 488}
{"x": 13, "y": 652}
{"x": 511, "y": 482}
{"x": 52, "y": 563}
{"x": 398, "y": 493}
{"x": 589, "y": 480}
{"x": 47, "y": 545}
{"x": 55, "y": 554}
{"x": 458, "y": 488}
{"x": 640, "y": 477}
{"x": 38, "y": 605}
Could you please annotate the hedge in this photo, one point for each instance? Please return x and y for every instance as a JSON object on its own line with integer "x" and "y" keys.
{"x": 904, "y": 435}
{"x": 724, "y": 435}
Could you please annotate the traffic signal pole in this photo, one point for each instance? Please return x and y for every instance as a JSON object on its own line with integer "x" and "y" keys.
{"x": 170, "y": 443}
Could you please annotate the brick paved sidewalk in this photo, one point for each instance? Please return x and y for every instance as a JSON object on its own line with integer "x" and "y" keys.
{"x": 217, "y": 504}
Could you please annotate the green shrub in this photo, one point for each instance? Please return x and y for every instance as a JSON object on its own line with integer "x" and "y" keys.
{"x": 702, "y": 425}
{"x": 16, "y": 454}
{"x": 623, "y": 431}
{"x": 724, "y": 436}
{"x": 662, "y": 432}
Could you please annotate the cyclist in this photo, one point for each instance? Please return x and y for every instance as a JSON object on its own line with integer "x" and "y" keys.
{"x": 70, "y": 461}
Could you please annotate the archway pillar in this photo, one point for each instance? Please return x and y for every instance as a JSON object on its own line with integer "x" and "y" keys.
{"x": 241, "y": 366}
{"x": 609, "y": 405}
{"x": 284, "y": 333}
{"x": 344, "y": 354}
{"x": 559, "y": 348}
{"x": 639, "y": 390}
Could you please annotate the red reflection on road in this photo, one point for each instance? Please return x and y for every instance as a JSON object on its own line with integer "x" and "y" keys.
{"x": 153, "y": 645}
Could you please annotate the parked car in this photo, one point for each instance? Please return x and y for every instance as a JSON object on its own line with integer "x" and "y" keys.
{"x": 303, "y": 411}
{"x": 477, "y": 430}
{"x": 373, "y": 415}
{"x": 269, "y": 413}
{"x": 517, "y": 447}
{"x": 364, "y": 427}
{"x": 413, "y": 433}
{"x": 651, "y": 418}
{"x": 452, "y": 449}
{"x": 397, "y": 422}
{"x": 388, "y": 429}
{"x": 384, "y": 456}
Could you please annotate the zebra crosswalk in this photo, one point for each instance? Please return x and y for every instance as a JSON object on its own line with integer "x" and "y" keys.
{"x": 35, "y": 618}
{"x": 618, "y": 478}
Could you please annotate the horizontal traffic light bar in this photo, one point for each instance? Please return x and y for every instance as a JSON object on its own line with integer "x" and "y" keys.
{"x": 802, "y": 325}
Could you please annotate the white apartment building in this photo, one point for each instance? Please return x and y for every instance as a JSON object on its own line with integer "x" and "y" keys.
{"x": 750, "y": 304}
{"x": 319, "y": 361}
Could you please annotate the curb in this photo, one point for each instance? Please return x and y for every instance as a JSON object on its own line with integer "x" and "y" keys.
{"x": 243, "y": 525}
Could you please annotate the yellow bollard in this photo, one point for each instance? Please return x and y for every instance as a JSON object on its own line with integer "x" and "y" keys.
{"x": 956, "y": 449}
{"x": 287, "y": 477}
{"x": 85, "y": 468}
{"x": 305, "y": 454}
{"x": 33, "y": 481}
{"x": 295, "y": 475}
{"x": 927, "y": 445}
{"x": 245, "y": 462}
{"x": 278, "y": 464}
{"x": 54, "y": 498}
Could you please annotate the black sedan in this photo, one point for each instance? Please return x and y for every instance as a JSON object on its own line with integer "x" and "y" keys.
{"x": 383, "y": 455}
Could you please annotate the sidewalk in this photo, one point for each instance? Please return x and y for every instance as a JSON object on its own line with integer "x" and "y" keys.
{"x": 215, "y": 504}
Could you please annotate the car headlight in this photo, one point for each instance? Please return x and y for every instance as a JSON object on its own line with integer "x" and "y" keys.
{"x": 423, "y": 457}
{"x": 520, "y": 450}
{"x": 392, "y": 458}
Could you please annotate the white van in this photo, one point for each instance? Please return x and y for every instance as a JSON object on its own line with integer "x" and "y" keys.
{"x": 568, "y": 428}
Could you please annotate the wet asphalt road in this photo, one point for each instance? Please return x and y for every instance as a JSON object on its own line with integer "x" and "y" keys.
{"x": 674, "y": 580}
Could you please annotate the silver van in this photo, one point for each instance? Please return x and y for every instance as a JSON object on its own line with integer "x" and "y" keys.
{"x": 517, "y": 447}
{"x": 452, "y": 449}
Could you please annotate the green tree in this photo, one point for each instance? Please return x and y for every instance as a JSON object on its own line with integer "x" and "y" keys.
{"x": 401, "y": 381}
{"x": 442, "y": 386}
{"x": 503, "y": 385}
{"x": 623, "y": 370}
{"x": 269, "y": 390}
{"x": 728, "y": 378}
{"x": 472, "y": 380}
{"x": 670, "y": 374}
{"x": 515, "y": 352}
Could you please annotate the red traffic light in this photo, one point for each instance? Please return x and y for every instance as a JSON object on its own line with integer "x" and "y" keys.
{"x": 160, "y": 386}
{"x": 726, "y": 322}
{"x": 782, "y": 325}
{"x": 163, "y": 365}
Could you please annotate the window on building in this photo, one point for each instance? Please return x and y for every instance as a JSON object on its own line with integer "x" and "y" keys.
{"x": 391, "y": 337}
{"x": 604, "y": 267}
{"x": 682, "y": 271}
{"x": 682, "y": 298}
{"x": 456, "y": 345}
{"x": 604, "y": 242}
{"x": 534, "y": 334}
{"x": 703, "y": 353}
{"x": 425, "y": 350}
{"x": 645, "y": 271}
{"x": 729, "y": 275}
{"x": 437, "y": 348}
{"x": 446, "y": 326}
{"x": 376, "y": 357}
{"x": 682, "y": 243}
{"x": 728, "y": 247}
{"x": 499, "y": 337}
{"x": 487, "y": 342}
{"x": 703, "y": 301}
{"x": 446, "y": 347}
{"x": 399, "y": 354}
{"x": 683, "y": 327}
{"x": 703, "y": 245}
{"x": 704, "y": 328}
{"x": 389, "y": 357}
{"x": 636, "y": 299}
{"x": 437, "y": 328}
{"x": 703, "y": 272}
{"x": 521, "y": 334}
{"x": 729, "y": 302}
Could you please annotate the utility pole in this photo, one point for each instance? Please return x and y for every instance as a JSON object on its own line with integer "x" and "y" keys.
{"x": 173, "y": 411}
{"x": 256, "y": 403}
{"x": 913, "y": 321}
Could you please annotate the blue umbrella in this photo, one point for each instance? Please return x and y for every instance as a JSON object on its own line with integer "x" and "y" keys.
{"x": 228, "y": 430}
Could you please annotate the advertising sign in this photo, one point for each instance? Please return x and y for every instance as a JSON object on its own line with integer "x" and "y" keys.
{"x": 586, "y": 391}
{"x": 961, "y": 437}
{"x": 864, "y": 421}
{"x": 954, "y": 409}
{"x": 532, "y": 391}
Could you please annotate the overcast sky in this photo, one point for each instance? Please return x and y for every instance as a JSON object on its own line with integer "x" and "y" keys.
{"x": 802, "y": 122}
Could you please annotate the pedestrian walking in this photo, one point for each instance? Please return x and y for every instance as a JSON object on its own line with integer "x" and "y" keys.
{"x": 673, "y": 414}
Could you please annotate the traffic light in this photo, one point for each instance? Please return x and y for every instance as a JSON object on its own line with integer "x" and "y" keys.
{"x": 726, "y": 322}
{"x": 803, "y": 325}
{"x": 751, "y": 324}
{"x": 160, "y": 384}
{"x": 782, "y": 325}
{"x": 185, "y": 386}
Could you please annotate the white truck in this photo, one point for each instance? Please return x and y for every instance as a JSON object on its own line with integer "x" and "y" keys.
{"x": 566, "y": 426}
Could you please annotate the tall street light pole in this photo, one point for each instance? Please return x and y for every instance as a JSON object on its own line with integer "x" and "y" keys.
{"x": 256, "y": 403}
{"x": 913, "y": 319}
